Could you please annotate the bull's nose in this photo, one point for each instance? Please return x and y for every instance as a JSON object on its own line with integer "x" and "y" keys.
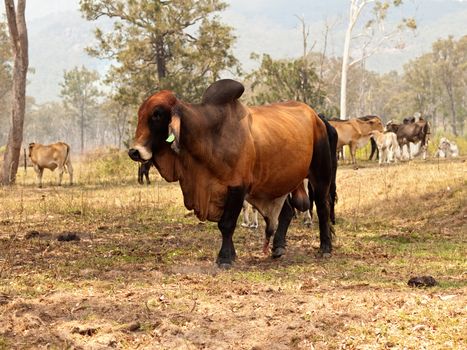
{"x": 134, "y": 154}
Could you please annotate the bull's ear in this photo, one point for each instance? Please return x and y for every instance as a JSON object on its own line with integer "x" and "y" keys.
{"x": 223, "y": 91}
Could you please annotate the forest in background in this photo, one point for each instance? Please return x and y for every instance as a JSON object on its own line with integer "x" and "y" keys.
{"x": 168, "y": 52}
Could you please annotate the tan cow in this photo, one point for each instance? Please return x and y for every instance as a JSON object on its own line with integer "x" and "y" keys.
{"x": 355, "y": 132}
{"x": 56, "y": 155}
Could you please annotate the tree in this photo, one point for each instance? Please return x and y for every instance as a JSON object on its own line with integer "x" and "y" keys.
{"x": 179, "y": 45}
{"x": 19, "y": 43}
{"x": 80, "y": 96}
{"x": 5, "y": 61}
{"x": 279, "y": 80}
{"x": 118, "y": 119}
{"x": 6, "y": 57}
{"x": 373, "y": 36}
{"x": 295, "y": 79}
{"x": 451, "y": 66}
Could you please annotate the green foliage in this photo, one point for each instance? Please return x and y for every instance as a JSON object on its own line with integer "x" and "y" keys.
{"x": 109, "y": 165}
{"x": 6, "y": 57}
{"x": 436, "y": 84}
{"x": 279, "y": 80}
{"x": 179, "y": 45}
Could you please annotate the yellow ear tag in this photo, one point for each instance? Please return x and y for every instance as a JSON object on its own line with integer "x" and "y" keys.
{"x": 171, "y": 138}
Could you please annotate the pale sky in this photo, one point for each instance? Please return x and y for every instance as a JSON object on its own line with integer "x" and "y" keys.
{"x": 261, "y": 26}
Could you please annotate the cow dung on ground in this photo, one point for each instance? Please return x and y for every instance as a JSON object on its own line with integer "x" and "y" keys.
{"x": 422, "y": 281}
{"x": 67, "y": 237}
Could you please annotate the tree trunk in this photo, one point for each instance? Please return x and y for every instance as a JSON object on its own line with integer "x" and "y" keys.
{"x": 345, "y": 70}
{"x": 453, "y": 110}
{"x": 160, "y": 58}
{"x": 19, "y": 39}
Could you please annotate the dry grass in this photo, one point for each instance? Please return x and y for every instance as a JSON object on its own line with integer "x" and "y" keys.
{"x": 143, "y": 274}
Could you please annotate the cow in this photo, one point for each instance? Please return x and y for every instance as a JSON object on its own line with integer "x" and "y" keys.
{"x": 387, "y": 145}
{"x": 416, "y": 132}
{"x": 56, "y": 155}
{"x": 355, "y": 132}
{"x": 222, "y": 152}
{"x": 447, "y": 149}
{"x": 250, "y": 216}
{"x": 374, "y": 147}
{"x": 143, "y": 171}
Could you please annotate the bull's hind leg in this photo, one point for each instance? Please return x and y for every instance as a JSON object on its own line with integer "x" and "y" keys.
{"x": 285, "y": 217}
{"x": 61, "y": 169}
{"x": 39, "y": 172}
{"x": 320, "y": 178}
{"x": 69, "y": 168}
{"x": 227, "y": 223}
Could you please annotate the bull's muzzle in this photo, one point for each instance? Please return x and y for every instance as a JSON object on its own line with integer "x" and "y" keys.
{"x": 134, "y": 155}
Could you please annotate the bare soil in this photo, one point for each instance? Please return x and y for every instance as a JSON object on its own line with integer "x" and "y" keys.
{"x": 142, "y": 273}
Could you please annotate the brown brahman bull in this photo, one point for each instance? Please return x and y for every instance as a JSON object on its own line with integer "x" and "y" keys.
{"x": 56, "y": 155}
{"x": 356, "y": 132}
{"x": 411, "y": 130}
{"x": 223, "y": 152}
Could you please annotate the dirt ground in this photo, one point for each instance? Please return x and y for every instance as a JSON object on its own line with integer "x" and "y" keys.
{"x": 111, "y": 264}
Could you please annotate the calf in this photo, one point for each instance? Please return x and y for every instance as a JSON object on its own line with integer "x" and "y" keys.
{"x": 56, "y": 155}
{"x": 387, "y": 146}
{"x": 250, "y": 216}
{"x": 143, "y": 171}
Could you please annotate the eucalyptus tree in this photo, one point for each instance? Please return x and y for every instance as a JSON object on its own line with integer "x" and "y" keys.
{"x": 371, "y": 36}
{"x": 19, "y": 44}
{"x": 173, "y": 44}
{"x": 80, "y": 95}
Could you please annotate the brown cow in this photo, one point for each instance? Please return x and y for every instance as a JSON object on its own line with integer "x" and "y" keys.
{"x": 223, "y": 152}
{"x": 356, "y": 132}
{"x": 56, "y": 155}
{"x": 411, "y": 131}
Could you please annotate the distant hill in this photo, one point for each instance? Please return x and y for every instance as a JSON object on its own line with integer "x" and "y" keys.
{"x": 57, "y": 41}
{"x": 56, "y": 44}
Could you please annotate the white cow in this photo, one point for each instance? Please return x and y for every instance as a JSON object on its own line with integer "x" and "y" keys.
{"x": 447, "y": 149}
{"x": 388, "y": 146}
{"x": 250, "y": 216}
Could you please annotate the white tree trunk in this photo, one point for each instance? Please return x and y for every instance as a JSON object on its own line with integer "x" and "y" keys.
{"x": 345, "y": 70}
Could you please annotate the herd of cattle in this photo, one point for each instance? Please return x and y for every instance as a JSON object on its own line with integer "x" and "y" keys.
{"x": 225, "y": 155}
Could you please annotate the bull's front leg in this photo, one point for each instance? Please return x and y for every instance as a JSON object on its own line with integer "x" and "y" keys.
{"x": 227, "y": 223}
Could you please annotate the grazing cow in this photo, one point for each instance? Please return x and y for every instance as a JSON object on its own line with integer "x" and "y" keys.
{"x": 447, "y": 149}
{"x": 143, "y": 171}
{"x": 223, "y": 152}
{"x": 415, "y": 132}
{"x": 387, "y": 146}
{"x": 250, "y": 216}
{"x": 355, "y": 132}
{"x": 56, "y": 155}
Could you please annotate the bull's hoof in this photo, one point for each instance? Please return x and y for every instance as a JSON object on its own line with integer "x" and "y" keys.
{"x": 225, "y": 263}
{"x": 278, "y": 252}
{"x": 324, "y": 253}
{"x": 225, "y": 266}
